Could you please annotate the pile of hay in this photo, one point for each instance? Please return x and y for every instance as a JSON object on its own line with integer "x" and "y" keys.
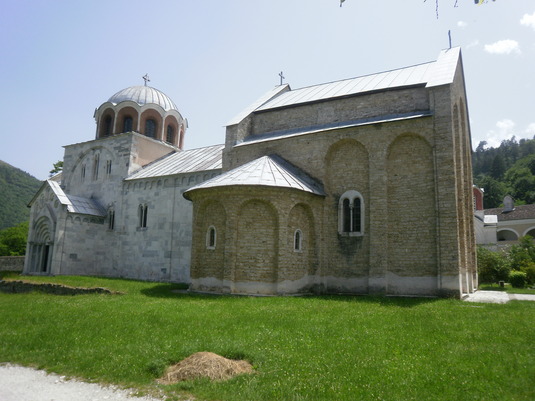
{"x": 205, "y": 364}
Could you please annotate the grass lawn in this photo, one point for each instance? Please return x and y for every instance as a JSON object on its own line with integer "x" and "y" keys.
{"x": 303, "y": 348}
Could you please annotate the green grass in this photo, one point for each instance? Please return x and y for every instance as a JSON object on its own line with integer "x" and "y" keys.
{"x": 507, "y": 288}
{"x": 303, "y": 348}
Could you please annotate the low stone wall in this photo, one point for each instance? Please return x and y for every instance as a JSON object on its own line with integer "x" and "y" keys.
{"x": 11, "y": 263}
{"x": 17, "y": 287}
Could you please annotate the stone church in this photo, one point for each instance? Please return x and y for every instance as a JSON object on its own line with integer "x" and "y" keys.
{"x": 359, "y": 186}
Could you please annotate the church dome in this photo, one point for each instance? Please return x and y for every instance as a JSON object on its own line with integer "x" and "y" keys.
{"x": 143, "y": 110}
{"x": 144, "y": 95}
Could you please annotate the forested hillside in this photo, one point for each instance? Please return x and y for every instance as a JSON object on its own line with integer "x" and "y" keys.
{"x": 507, "y": 169}
{"x": 16, "y": 189}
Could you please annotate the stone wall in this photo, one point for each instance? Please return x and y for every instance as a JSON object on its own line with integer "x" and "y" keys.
{"x": 11, "y": 263}
{"x": 19, "y": 287}
{"x": 406, "y": 152}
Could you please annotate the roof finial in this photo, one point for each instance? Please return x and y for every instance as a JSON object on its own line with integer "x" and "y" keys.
{"x": 282, "y": 76}
{"x": 146, "y": 78}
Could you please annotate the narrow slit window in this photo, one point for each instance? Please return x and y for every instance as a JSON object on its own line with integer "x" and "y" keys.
{"x": 211, "y": 238}
{"x": 111, "y": 219}
{"x": 298, "y": 241}
{"x": 143, "y": 215}
{"x": 96, "y": 163}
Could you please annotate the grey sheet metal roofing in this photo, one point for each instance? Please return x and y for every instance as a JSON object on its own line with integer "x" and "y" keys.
{"x": 143, "y": 95}
{"x": 185, "y": 161}
{"x": 77, "y": 204}
{"x": 435, "y": 73}
{"x": 270, "y": 171}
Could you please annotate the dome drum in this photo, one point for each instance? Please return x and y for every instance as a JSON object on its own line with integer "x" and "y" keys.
{"x": 141, "y": 109}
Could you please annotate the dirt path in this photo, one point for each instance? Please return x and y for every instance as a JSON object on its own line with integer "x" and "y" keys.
{"x": 26, "y": 384}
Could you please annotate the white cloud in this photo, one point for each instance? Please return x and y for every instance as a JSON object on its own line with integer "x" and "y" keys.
{"x": 528, "y": 20}
{"x": 462, "y": 24}
{"x": 472, "y": 44}
{"x": 505, "y": 129}
{"x": 506, "y": 46}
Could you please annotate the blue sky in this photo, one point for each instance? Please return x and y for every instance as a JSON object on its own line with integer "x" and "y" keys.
{"x": 59, "y": 60}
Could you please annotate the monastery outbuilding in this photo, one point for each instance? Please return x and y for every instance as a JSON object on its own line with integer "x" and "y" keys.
{"x": 359, "y": 186}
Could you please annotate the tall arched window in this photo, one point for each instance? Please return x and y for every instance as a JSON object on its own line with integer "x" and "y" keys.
{"x": 107, "y": 126}
{"x": 150, "y": 128}
{"x": 170, "y": 136}
{"x": 351, "y": 214}
{"x": 127, "y": 124}
{"x": 211, "y": 237}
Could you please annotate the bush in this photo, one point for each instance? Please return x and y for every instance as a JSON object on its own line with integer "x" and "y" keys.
{"x": 522, "y": 257}
{"x": 529, "y": 269}
{"x": 492, "y": 266}
{"x": 517, "y": 279}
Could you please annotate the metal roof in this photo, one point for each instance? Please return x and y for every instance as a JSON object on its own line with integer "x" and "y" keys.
{"x": 259, "y": 102}
{"x": 77, "y": 204}
{"x": 435, "y": 73}
{"x": 270, "y": 171}
{"x": 185, "y": 161}
{"x": 416, "y": 75}
{"x": 143, "y": 95}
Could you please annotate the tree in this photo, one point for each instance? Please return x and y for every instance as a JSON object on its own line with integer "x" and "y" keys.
{"x": 13, "y": 240}
{"x": 58, "y": 166}
{"x": 531, "y": 166}
{"x": 498, "y": 167}
{"x": 494, "y": 191}
{"x": 521, "y": 183}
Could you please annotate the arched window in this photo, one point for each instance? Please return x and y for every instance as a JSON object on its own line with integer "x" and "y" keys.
{"x": 351, "y": 214}
{"x": 127, "y": 124}
{"x": 170, "y": 136}
{"x": 142, "y": 212}
{"x": 298, "y": 241}
{"x": 107, "y": 126}
{"x": 211, "y": 238}
{"x": 150, "y": 128}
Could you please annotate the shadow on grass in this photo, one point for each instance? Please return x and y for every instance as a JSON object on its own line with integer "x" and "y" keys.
{"x": 170, "y": 290}
{"x": 174, "y": 290}
{"x": 384, "y": 300}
